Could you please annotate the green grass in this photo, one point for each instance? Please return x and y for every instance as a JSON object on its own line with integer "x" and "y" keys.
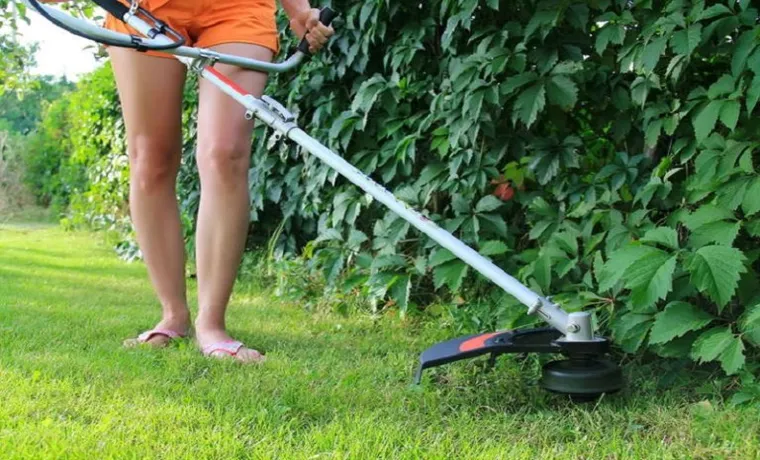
{"x": 333, "y": 387}
{"x": 31, "y": 216}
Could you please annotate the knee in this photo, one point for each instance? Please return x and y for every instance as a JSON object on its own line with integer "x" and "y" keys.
{"x": 224, "y": 161}
{"x": 153, "y": 164}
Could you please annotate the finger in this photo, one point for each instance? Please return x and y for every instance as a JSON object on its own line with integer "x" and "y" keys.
{"x": 318, "y": 34}
{"x": 325, "y": 30}
{"x": 312, "y": 44}
{"x": 313, "y": 20}
{"x": 318, "y": 42}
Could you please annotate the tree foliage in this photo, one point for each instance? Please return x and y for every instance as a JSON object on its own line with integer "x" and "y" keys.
{"x": 21, "y": 110}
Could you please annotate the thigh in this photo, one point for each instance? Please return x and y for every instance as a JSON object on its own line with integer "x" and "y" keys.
{"x": 150, "y": 89}
{"x": 222, "y": 125}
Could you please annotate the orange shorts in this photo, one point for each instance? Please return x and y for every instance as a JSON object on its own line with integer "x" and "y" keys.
{"x": 206, "y": 23}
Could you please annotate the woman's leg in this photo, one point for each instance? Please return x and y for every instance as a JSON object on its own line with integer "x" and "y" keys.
{"x": 224, "y": 150}
{"x": 150, "y": 89}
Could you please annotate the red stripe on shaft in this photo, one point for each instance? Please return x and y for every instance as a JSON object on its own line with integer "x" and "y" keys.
{"x": 226, "y": 80}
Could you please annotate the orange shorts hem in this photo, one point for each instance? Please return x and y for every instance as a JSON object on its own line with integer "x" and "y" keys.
{"x": 250, "y": 22}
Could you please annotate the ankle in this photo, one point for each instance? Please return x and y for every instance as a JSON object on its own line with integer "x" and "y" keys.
{"x": 209, "y": 324}
{"x": 176, "y": 314}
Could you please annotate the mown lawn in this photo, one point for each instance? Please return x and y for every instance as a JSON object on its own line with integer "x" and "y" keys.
{"x": 333, "y": 387}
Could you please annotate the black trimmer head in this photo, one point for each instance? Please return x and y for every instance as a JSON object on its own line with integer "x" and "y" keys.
{"x": 583, "y": 379}
{"x": 584, "y": 375}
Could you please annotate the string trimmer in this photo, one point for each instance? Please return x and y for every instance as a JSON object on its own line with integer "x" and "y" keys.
{"x": 582, "y": 373}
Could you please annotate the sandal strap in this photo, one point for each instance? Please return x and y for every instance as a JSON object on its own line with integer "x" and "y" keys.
{"x": 231, "y": 347}
{"x": 147, "y": 335}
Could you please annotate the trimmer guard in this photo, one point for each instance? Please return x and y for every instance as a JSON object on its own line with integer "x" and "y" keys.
{"x": 497, "y": 343}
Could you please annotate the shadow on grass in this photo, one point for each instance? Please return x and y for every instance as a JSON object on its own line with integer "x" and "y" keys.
{"x": 86, "y": 340}
{"x": 51, "y": 253}
{"x": 38, "y": 291}
{"x": 312, "y": 380}
{"x": 315, "y": 368}
{"x": 67, "y": 263}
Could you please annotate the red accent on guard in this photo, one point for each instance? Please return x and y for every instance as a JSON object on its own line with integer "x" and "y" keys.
{"x": 476, "y": 342}
{"x": 226, "y": 80}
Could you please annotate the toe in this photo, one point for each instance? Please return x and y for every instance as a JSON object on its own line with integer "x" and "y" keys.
{"x": 157, "y": 341}
{"x": 220, "y": 355}
{"x": 249, "y": 355}
{"x": 243, "y": 355}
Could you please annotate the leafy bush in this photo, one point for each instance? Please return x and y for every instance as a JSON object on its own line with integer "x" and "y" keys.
{"x": 604, "y": 152}
{"x": 21, "y": 110}
{"x": 615, "y": 138}
{"x": 46, "y": 156}
{"x": 36, "y": 116}
{"x": 13, "y": 194}
{"x": 98, "y": 154}
{"x": 15, "y": 58}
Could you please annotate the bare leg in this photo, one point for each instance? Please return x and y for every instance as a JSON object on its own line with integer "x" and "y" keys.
{"x": 150, "y": 90}
{"x": 224, "y": 150}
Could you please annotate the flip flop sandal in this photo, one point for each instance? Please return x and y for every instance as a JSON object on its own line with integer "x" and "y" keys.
{"x": 147, "y": 335}
{"x": 231, "y": 349}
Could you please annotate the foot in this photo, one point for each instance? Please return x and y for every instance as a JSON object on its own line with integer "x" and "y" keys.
{"x": 216, "y": 343}
{"x": 168, "y": 329}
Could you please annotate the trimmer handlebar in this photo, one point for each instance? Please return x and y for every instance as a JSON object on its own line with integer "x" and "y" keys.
{"x": 159, "y": 41}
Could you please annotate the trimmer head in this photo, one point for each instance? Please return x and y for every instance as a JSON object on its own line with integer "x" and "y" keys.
{"x": 582, "y": 376}
{"x": 583, "y": 379}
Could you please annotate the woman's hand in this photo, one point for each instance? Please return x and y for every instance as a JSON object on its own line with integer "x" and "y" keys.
{"x": 306, "y": 23}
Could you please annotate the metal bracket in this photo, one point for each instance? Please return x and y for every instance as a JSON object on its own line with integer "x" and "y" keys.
{"x": 538, "y": 305}
{"x": 133, "y": 7}
{"x": 249, "y": 113}
{"x": 205, "y": 58}
{"x": 285, "y": 114}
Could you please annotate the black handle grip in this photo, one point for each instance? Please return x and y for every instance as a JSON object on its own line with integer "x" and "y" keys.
{"x": 114, "y": 7}
{"x": 326, "y": 16}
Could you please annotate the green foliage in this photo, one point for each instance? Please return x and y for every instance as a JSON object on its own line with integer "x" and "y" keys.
{"x": 96, "y": 166}
{"x": 720, "y": 344}
{"x": 48, "y": 148}
{"x": 676, "y": 319}
{"x": 14, "y": 196}
{"x": 35, "y": 116}
{"x": 715, "y": 270}
{"x": 604, "y": 152}
{"x": 22, "y": 110}
{"x": 15, "y": 60}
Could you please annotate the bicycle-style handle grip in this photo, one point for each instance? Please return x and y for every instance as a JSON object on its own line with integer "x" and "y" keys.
{"x": 326, "y": 16}
{"x": 117, "y": 9}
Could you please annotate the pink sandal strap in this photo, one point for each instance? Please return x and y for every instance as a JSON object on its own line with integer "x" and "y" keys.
{"x": 147, "y": 335}
{"x": 231, "y": 347}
